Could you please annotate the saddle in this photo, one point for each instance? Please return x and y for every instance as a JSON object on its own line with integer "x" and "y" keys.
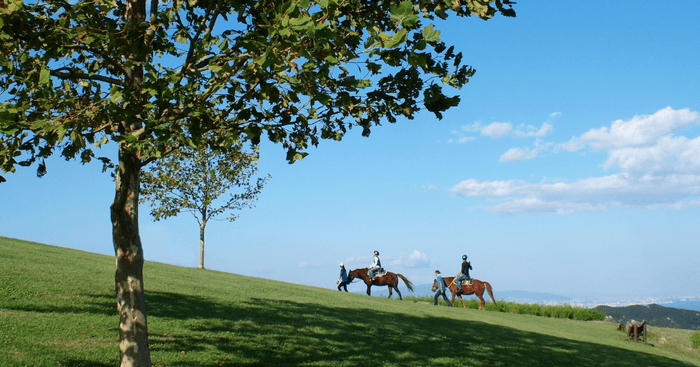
{"x": 379, "y": 272}
{"x": 468, "y": 281}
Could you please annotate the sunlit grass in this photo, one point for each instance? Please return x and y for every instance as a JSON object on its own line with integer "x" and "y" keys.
{"x": 57, "y": 308}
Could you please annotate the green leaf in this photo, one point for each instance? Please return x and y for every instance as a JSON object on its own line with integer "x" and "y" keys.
{"x": 399, "y": 38}
{"x": 263, "y": 58}
{"x": 44, "y": 76}
{"x": 418, "y": 59}
{"x": 404, "y": 14}
{"x": 331, "y": 59}
{"x": 293, "y": 156}
{"x": 430, "y": 34}
{"x": 116, "y": 96}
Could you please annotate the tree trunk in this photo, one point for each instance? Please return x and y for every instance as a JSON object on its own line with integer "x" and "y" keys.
{"x": 131, "y": 306}
{"x": 201, "y": 244}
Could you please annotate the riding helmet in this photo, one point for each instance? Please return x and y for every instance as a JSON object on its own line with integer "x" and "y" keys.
{"x": 376, "y": 253}
{"x": 464, "y": 257}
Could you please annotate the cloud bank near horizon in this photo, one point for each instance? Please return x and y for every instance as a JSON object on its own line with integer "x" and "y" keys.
{"x": 658, "y": 169}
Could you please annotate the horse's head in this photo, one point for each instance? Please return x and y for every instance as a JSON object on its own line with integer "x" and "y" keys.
{"x": 352, "y": 274}
{"x": 356, "y": 273}
{"x": 435, "y": 285}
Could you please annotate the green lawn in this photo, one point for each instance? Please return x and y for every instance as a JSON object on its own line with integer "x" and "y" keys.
{"x": 57, "y": 308}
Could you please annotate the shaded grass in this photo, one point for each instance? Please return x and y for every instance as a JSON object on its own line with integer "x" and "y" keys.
{"x": 59, "y": 309}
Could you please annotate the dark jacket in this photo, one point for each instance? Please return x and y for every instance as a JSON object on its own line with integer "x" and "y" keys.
{"x": 466, "y": 266}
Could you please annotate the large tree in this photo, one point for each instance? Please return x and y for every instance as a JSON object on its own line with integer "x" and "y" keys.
{"x": 194, "y": 180}
{"x": 153, "y": 76}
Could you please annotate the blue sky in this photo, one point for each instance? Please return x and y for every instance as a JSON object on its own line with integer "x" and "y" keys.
{"x": 572, "y": 166}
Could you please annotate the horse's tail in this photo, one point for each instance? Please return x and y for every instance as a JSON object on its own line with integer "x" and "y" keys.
{"x": 408, "y": 283}
{"x": 488, "y": 288}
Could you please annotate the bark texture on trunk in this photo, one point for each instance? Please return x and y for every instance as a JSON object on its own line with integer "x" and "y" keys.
{"x": 201, "y": 244}
{"x": 133, "y": 330}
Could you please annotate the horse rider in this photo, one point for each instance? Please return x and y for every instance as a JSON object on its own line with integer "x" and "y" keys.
{"x": 441, "y": 289}
{"x": 463, "y": 274}
{"x": 376, "y": 265}
{"x": 343, "y": 278}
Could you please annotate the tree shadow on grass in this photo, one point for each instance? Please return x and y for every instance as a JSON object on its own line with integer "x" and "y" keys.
{"x": 285, "y": 333}
{"x": 97, "y": 304}
{"x": 264, "y": 332}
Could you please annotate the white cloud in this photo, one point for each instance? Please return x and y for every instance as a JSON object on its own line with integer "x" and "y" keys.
{"x": 517, "y": 154}
{"x": 640, "y": 130}
{"x": 668, "y": 154}
{"x": 472, "y": 187}
{"x": 425, "y": 188}
{"x": 592, "y": 194}
{"x": 462, "y": 139}
{"x": 416, "y": 259}
{"x": 497, "y": 130}
{"x": 529, "y": 131}
{"x": 658, "y": 170}
{"x": 531, "y": 204}
{"x": 475, "y": 127}
{"x": 572, "y": 145}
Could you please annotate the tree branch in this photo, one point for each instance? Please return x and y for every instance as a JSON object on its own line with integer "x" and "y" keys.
{"x": 70, "y": 74}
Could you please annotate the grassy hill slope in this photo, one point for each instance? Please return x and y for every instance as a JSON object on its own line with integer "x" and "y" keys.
{"x": 57, "y": 308}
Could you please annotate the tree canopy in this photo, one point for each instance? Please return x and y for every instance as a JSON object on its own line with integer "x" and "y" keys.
{"x": 154, "y": 75}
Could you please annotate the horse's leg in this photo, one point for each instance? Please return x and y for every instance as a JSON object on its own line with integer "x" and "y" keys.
{"x": 389, "y": 286}
{"x": 398, "y": 292}
{"x": 462, "y": 300}
{"x": 368, "y": 287}
{"x": 482, "y": 306}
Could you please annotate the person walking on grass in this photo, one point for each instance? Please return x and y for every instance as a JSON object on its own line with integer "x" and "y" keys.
{"x": 343, "y": 278}
{"x": 442, "y": 287}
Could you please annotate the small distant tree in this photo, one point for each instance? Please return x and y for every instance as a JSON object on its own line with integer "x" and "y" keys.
{"x": 194, "y": 180}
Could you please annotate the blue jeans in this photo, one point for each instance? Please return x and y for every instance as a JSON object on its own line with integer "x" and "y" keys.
{"x": 373, "y": 271}
{"x": 459, "y": 279}
{"x": 344, "y": 285}
{"x": 438, "y": 294}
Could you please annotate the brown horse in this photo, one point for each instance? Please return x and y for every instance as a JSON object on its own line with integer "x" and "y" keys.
{"x": 477, "y": 288}
{"x": 389, "y": 279}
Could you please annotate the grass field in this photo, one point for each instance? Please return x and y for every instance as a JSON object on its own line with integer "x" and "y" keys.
{"x": 58, "y": 308}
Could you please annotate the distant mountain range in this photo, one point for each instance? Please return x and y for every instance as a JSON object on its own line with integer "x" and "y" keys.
{"x": 628, "y": 307}
{"x": 654, "y": 315}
